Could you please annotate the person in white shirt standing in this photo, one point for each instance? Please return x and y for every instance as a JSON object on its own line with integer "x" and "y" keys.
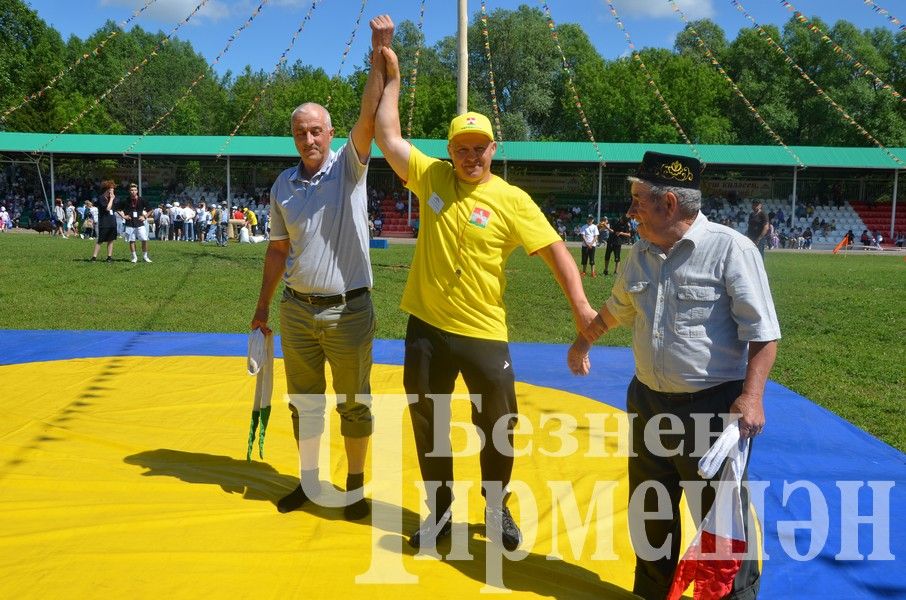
{"x": 589, "y": 245}
{"x": 188, "y": 223}
{"x": 319, "y": 249}
{"x": 175, "y": 222}
{"x": 134, "y": 213}
{"x": 704, "y": 340}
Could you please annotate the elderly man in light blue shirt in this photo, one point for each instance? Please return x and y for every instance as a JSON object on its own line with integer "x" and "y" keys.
{"x": 704, "y": 336}
{"x": 319, "y": 248}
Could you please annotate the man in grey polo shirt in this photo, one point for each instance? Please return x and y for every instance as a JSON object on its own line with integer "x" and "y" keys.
{"x": 704, "y": 336}
{"x": 319, "y": 247}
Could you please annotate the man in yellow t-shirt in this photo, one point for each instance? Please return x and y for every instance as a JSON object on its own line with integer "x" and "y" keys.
{"x": 471, "y": 220}
{"x": 251, "y": 220}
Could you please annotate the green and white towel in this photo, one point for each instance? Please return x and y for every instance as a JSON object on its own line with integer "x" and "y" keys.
{"x": 260, "y": 363}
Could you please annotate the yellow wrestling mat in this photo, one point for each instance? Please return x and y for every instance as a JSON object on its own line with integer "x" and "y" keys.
{"x": 126, "y": 477}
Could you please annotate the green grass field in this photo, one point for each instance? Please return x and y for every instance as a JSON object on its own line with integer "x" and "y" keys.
{"x": 843, "y": 318}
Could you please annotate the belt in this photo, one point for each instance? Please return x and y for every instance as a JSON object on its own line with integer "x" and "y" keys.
{"x": 327, "y": 300}
{"x": 695, "y": 396}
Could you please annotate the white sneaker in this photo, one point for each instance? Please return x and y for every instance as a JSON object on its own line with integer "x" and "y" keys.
{"x": 134, "y": 258}
{"x": 147, "y": 259}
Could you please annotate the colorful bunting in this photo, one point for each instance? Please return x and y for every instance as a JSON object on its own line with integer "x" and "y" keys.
{"x": 884, "y": 12}
{"x": 200, "y": 76}
{"x": 413, "y": 77}
{"x": 861, "y": 68}
{"x": 818, "y": 90}
{"x": 355, "y": 28}
{"x": 569, "y": 80}
{"x": 487, "y": 52}
{"x": 135, "y": 69}
{"x": 651, "y": 83}
{"x": 716, "y": 64}
{"x": 78, "y": 61}
{"x": 280, "y": 62}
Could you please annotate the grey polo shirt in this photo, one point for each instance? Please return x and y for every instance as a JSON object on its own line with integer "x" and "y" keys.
{"x": 694, "y": 310}
{"x": 325, "y": 220}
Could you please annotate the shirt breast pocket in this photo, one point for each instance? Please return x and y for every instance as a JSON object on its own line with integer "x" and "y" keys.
{"x": 694, "y": 306}
{"x": 637, "y": 293}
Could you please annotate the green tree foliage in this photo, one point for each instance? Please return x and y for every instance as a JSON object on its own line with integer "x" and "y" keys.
{"x": 434, "y": 83}
{"x": 526, "y": 65}
{"x": 532, "y": 84}
{"x": 31, "y": 54}
{"x": 705, "y": 31}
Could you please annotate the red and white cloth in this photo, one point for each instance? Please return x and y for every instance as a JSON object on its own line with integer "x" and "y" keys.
{"x": 715, "y": 554}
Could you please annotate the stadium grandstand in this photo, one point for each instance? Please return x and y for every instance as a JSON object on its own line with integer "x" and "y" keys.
{"x": 840, "y": 189}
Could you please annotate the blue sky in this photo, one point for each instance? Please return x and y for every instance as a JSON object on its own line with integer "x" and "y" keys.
{"x": 649, "y": 22}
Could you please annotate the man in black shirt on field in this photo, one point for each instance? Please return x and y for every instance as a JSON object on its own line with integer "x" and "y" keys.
{"x": 619, "y": 233}
{"x": 757, "y": 230}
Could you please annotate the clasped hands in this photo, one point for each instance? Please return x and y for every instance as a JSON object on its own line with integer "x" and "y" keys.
{"x": 577, "y": 356}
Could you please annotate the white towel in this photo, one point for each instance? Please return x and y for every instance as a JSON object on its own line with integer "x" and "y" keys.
{"x": 261, "y": 363}
{"x": 728, "y": 445}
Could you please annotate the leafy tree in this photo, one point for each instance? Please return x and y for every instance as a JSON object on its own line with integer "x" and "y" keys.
{"x": 31, "y": 54}
{"x": 767, "y": 82}
{"x": 525, "y": 64}
{"x": 710, "y": 32}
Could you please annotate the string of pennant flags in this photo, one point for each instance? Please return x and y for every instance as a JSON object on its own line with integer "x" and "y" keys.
{"x": 280, "y": 62}
{"x": 651, "y": 83}
{"x": 569, "y": 80}
{"x": 355, "y": 29}
{"x": 85, "y": 56}
{"x": 751, "y": 108}
{"x": 135, "y": 69}
{"x": 487, "y": 52}
{"x": 884, "y": 12}
{"x": 413, "y": 77}
{"x": 860, "y": 67}
{"x": 818, "y": 89}
{"x": 198, "y": 79}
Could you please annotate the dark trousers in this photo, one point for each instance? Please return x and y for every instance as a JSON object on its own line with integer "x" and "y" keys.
{"x": 612, "y": 249}
{"x": 588, "y": 255}
{"x": 653, "y": 578}
{"x": 433, "y": 360}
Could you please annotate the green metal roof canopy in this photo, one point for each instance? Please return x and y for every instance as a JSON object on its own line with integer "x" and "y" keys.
{"x": 570, "y": 152}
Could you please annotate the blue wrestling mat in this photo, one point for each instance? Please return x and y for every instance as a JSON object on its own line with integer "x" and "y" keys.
{"x": 75, "y": 425}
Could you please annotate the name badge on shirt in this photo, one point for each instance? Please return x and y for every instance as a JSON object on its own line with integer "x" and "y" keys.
{"x": 134, "y": 215}
{"x": 436, "y": 203}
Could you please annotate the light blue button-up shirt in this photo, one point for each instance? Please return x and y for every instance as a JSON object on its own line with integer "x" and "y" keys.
{"x": 694, "y": 310}
{"x": 325, "y": 219}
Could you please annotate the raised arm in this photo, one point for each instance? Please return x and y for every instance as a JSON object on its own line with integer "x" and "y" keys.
{"x": 363, "y": 131}
{"x": 387, "y": 121}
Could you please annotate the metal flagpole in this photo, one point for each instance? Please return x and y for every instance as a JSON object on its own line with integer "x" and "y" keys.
{"x": 793, "y": 209}
{"x": 139, "y": 175}
{"x": 893, "y": 206}
{"x": 53, "y": 187}
{"x": 600, "y": 175}
{"x": 462, "y": 46}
